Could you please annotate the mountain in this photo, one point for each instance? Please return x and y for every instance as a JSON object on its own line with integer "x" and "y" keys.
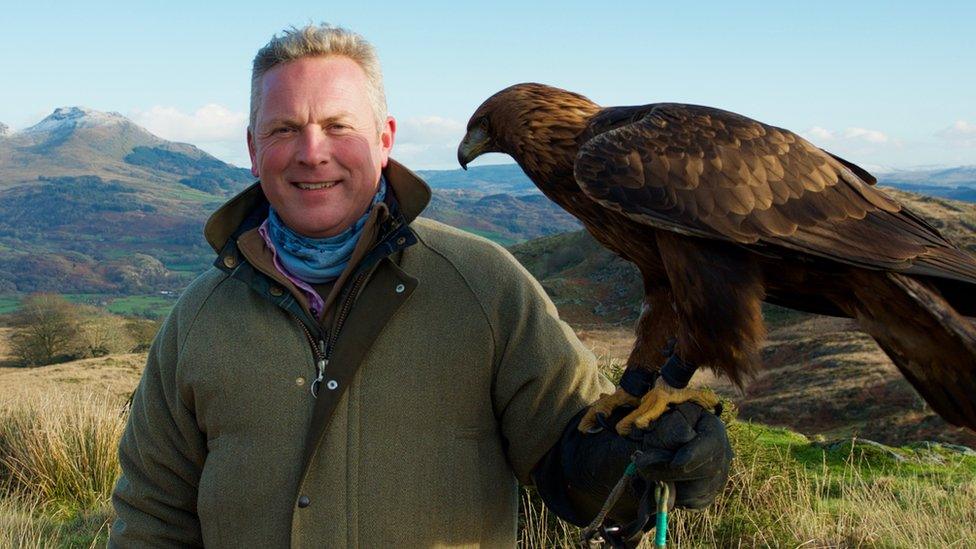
{"x": 80, "y": 142}
{"x": 492, "y": 179}
{"x": 958, "y": 183}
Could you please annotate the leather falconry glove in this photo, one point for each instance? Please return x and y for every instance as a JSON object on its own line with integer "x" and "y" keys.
{"x": 686, "y": 447}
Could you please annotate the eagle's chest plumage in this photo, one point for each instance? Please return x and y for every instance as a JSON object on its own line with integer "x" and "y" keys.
{"x": 628, "y": 239}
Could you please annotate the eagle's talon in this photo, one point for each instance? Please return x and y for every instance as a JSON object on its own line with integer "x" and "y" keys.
{"x": 604, "y": 421}
{"x": 604, "y": 406}
{"x": 657, "y": 401}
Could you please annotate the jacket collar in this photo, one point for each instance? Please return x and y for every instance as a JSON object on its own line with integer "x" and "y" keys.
{"x": 411, "y": 192}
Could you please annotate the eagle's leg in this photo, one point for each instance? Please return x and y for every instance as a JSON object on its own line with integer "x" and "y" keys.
{"x": 655, "y": 326}
{"x": 656, "y": 401}
{"x": 718, "y": 293}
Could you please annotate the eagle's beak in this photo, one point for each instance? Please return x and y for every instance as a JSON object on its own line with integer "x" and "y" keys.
{"x": 475, "y": 143}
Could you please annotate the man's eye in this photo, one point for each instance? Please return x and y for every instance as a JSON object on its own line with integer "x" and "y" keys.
{"x": 338, "y": 127}
{"x": 282, "y": 130}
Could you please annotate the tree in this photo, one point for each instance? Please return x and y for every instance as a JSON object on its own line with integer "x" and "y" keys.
{"x": 101, "y": 333}
{"x": 46, "y": 330}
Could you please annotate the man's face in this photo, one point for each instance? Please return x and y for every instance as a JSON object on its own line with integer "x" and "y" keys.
{"x": 315, "y": 145}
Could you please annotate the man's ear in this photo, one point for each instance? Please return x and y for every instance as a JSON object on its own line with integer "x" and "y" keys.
{"x": 387, "y": 137}
{"x": 252, "y": 151}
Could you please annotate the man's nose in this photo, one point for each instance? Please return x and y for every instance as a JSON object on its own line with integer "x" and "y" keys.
{"x": 314, "y": 147}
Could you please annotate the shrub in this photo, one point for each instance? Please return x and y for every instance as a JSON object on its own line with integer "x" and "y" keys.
{"x": 46, "y": 330}
{"x": 142, "y": 333}
{"x": 102, "y": 333}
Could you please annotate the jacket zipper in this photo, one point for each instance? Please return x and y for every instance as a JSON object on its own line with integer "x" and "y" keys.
{"x": 322, "y": 351}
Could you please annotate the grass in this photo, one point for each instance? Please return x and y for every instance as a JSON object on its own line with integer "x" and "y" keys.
{"x": 9, "y": 304}
{"x": 58, "y": 465}
{"x": 155, "y": 306}
{"x": 188, "y": 267}
{"x": 148, "y": 306}
{"x": 494, "y": 236}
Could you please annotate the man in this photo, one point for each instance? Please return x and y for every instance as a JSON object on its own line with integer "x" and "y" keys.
{"x": 350, "y": 374}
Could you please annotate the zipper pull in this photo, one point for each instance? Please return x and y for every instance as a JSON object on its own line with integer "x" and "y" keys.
{"x": 320, "y": 366}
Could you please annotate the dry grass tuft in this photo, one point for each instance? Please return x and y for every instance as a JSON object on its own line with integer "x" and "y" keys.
{"x": 60, "y": 452}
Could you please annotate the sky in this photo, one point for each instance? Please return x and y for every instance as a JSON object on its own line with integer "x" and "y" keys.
{"x": 883, "y": 84}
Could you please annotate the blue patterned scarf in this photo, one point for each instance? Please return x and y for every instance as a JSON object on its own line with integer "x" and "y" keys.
{"x": 317, "y": 260}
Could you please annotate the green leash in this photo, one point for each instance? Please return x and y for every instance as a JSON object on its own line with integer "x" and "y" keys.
{"x": 661, "y": 530}
{"x": 661, "y": 495}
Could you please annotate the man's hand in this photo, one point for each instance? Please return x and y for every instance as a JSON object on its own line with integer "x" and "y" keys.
{"x": 687, "y": 447}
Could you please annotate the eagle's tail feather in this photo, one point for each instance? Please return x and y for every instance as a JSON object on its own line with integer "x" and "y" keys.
{"x": 932, "y": 345}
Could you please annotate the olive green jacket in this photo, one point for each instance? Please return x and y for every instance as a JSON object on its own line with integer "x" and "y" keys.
{"x": 449, "y": 378}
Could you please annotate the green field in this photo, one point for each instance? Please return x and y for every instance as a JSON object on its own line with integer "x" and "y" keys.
{"x": 188, "y": 267}
{"x": 497, "y": 238}
{"x": 9, "y": 304}
{"x": 148, "y": 306}
{"x": 142, "y": 305}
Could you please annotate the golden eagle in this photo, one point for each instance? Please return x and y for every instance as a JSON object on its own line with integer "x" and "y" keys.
{"x": 721, "y": 212}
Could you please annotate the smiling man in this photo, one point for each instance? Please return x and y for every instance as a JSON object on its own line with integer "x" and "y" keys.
{"x": 352, "y": 374}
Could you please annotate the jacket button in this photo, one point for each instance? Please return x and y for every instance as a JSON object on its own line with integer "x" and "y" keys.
{"x": 303, "y": 502}
{"x": 276, "y": 291}
{"x": 400, "y": 288}
{"x": 230, "y": 261}
{"x": 332, "y": 385}
{"x": 401, "y": 241}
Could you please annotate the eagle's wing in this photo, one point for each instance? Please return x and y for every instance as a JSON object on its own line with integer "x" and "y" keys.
{"x": 715, "y": 174}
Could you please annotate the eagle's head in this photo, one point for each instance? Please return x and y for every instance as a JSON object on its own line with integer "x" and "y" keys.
{"x": 534, "y": 123}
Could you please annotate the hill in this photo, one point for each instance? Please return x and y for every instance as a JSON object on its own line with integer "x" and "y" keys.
{"x": 958, "y": 183}
{"x": 492, "y": 179}
{"x": 818, "y": 371}
{"x": 505, "y": 218}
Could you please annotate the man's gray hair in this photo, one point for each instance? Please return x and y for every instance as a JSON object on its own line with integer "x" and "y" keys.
{"x": 319, "y": 41}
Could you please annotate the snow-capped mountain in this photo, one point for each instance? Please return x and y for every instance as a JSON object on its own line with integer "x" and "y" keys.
{"x": 72, "y": 118}
{"x": 78, "y": 142}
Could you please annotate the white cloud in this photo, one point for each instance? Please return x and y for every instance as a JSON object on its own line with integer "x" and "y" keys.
{"x": 428, "y": 142}
{"x": 209, "y": 123}
{"x": 873, "y": 150}
{"x": 871, "y": 136}
{"x": 818, "y": 133}
{"x": 961, "y": 132}
{"x": 851, "y": 135}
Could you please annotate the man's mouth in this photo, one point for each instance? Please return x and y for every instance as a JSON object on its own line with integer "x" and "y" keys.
{"x": 316, "y": 185}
